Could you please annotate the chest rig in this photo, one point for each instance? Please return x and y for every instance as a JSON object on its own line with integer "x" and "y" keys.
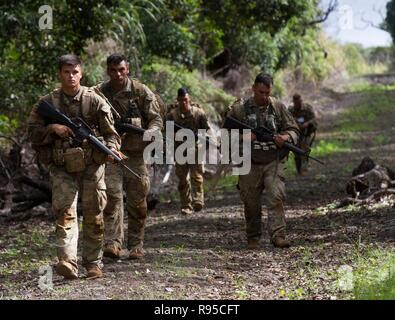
{"x": 126, "y": 104}
{"x": 261, "y": 116}
{"x": 187, "y": 120}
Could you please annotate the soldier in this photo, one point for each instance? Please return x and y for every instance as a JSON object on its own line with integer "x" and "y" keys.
{"x": 189, "y": 115}
{"x": 136, "y": 104}
{"x": 304, "y": 116}
{"x": 75, "y": 169}
{"x": 267, "y": 161}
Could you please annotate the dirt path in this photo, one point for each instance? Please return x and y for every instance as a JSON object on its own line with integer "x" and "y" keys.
{"x": 204, "y": 256}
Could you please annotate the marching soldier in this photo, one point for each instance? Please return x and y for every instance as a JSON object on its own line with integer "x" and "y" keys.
{"x": 267, "y": 160}
{"x": 74, "y": 168}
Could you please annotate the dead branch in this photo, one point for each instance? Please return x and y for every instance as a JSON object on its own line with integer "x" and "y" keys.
{"x": 324, "y": 16}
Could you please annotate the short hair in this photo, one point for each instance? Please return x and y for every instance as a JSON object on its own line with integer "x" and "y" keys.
{"x": 116, "y": 58}
{"x": 182, "y": 92}
{"x": 296, "y": 96}
{"x": 265, "y": 79}
{"x": 68, "y": 60}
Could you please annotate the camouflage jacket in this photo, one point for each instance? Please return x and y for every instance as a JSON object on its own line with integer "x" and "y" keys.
{"x": 304, "y": 114}
{"x": 195, "y": 118}
{"x": 86, "y": 105}
{"x": 135, "y": 104}
{"x": 275, "y": 117}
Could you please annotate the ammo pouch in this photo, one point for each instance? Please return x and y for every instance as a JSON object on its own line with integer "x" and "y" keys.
{"x": 99, "y": 157}
{"x": 74, "y": 160}
{"x": 260, "y": 156}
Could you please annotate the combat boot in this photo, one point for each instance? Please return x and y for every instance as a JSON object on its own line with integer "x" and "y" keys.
{"x": 112, "y": 251}
{"x": 197, "y": 206}
{"x": 280, "y": 242}
{"x": 65, "y": 269}
{"x": 136, "y": 253}
{"x": 186, "y": 211}
{"x": 93, "y": 272}
{"x": 253, "y": 243}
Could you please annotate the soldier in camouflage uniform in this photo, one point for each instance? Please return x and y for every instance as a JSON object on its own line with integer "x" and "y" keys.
{"x": 189, "y": 115}
{"x": 305, "y": 118}
{"x": 75, "y": 169}
{"x": 267, "y": 161}
{"x": 136, "y": 104}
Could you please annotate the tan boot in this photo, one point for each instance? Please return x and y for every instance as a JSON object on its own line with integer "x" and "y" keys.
{"x": 186, "y": 211}
{"x": 253, "y": 244}
{"x": 280, "y": 242}
{"x": 112, "y": 251}
{"x": 93, "y": 272}
{"x": 136, "y": 253}
{"x": 65, "y": 269}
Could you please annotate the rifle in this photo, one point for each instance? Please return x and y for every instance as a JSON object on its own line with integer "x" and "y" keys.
{"x": 263, "y": 134}
{"x": 81, "y": 130}
{"x": 197, "y": 136}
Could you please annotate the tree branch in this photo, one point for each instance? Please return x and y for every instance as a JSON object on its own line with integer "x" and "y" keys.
{"x": 331, "y": 7}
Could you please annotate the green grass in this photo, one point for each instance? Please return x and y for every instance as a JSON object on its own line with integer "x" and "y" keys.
{"x": 26, "y": 250}
{"x": 327, "y": 147}
{"x": 367, "y": 114}
{"x": 225, "y": 184}
{"x": 365, "y": 86}
{"x": 374, "y": 275}
{"x": 381, "y": 139}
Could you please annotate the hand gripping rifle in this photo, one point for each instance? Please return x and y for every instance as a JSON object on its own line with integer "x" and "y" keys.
{"x": 81, "y": 130}
{"x": 263, "y": 134}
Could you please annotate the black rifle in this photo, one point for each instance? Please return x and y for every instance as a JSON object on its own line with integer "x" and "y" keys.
{"x": 80, "y": 129}
{"x": 197, "y": 136}
{"x": 263, "y": 134}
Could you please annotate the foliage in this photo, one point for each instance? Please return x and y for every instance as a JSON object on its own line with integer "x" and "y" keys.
{"x": 374, "y": 276}
{"x": 389, "y": 22}
{"x": 368, "y": 114}
{"x": 166, "y": 79}
{"x": 28, "y": 55}
{"x": 361, "y": 61}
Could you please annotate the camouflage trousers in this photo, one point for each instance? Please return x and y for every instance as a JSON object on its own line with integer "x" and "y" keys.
{"x": 271, "y": 178}
{"x": 136, "y": 202}
{"x": 303, "y": 161}
{"x": 191, "y": 190}
{"x": 65, "y": 189}
{"x": 114, "y": 212}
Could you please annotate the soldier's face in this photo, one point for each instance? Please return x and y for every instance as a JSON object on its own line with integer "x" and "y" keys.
{"x": 184, "y": 101}
{"x": 70, "y": 76}
{"x": 297, "y": 103}
{"x": 118, "y": 73}
{"x": 261, "y": 93}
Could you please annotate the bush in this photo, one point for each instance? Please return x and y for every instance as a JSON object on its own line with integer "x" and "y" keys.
{"x": 166, "y": 79}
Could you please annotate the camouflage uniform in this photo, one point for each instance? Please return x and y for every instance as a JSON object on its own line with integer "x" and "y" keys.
{"x": 67, "y": 183}
{"x": 136, "y": 104}
{"x": 302, "y": 115}
{"x": 194, "y": 119}
{"x": 266, "y": 167}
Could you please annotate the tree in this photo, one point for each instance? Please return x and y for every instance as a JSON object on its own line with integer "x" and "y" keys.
{"x": 389, "y": 22}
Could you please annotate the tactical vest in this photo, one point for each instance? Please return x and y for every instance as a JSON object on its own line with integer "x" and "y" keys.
{"x": 190, "y": 120}
{"x": 264, "y": 152}
{"x": 65, "y": 152}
